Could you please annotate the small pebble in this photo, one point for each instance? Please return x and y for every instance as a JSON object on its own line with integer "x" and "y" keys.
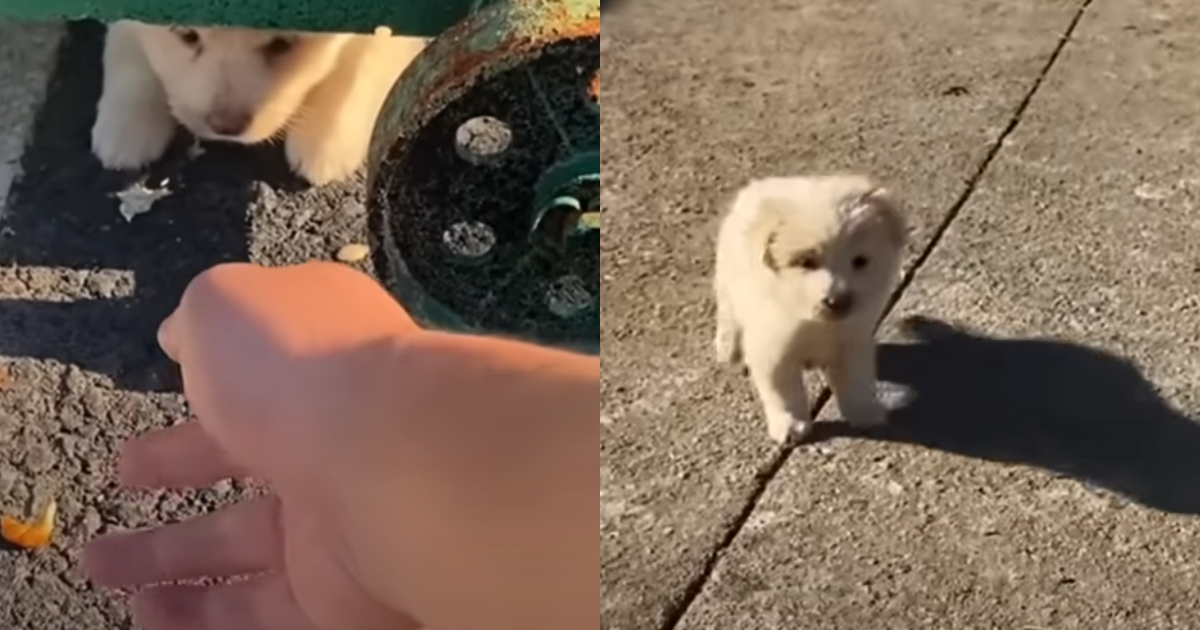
{"x": 353, "y": 252}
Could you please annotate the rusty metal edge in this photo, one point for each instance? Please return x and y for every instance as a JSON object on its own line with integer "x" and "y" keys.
{"x": 484, "y": 43}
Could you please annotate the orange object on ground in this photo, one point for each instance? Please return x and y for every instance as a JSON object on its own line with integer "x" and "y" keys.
{"x": 32, "y": 535}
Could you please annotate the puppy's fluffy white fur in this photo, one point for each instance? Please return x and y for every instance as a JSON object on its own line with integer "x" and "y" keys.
{"x": 804, "y": 267}
{"x": 320, "y": 92}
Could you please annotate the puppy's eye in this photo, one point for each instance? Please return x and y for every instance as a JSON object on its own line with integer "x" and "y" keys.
{"x": 859, "y": 262}
{"x": 808, "y": 263}
{"x": 188, "y": 36}
{"x": 278, "y": 46}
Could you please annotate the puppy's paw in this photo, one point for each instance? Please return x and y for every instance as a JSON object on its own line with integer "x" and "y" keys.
{"x": 130, "y": 136}
{"x": 324, "y": 155}
{"x": 786, "y": 428}
{"x": 865, "y": 413}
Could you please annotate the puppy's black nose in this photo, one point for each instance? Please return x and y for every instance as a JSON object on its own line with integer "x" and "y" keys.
{"x": 838, "y": 303}
{"x": 228, "y": 123}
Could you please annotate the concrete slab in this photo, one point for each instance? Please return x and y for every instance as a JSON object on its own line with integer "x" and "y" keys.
{"x": 1046, "y": 475}
{"x": 701, "y": 95}
{"x": 27, "y": 54}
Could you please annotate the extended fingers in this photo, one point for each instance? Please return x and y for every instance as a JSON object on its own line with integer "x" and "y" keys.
{"x": 260, "y": 603}
{"x": 238, "y": 540}
{"x": 182, "y": 456}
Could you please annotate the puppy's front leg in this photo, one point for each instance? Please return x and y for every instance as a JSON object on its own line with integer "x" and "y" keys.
{"x": 852, "y": 377}
{"x": 727, "y": 339}
{"x": 778, "y": 378}
{"x": 133, "y": 125}
{"x": 330, "y": 139}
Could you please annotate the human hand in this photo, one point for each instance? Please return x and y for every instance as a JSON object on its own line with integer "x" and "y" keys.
{"x": 268, "y": 357}
{"x": 415, "y": 475}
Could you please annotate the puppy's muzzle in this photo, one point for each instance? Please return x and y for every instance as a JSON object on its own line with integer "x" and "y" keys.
{"x": 838, "y": 304}
{"x": 228, "y": 123}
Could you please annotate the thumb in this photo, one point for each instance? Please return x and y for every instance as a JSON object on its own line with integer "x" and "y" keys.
{"x": 168, "y": 336}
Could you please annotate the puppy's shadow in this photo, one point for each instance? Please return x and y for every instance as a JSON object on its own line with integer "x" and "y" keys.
{"x": 83, "y": 285}
{"x": 1079, "y": 411}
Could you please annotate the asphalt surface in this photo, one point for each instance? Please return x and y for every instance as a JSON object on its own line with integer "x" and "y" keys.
{"x": 1045, "y": 475}
{"x": 81, "y": 293}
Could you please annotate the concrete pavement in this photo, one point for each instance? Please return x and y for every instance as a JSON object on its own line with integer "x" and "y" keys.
{"x": 1046, "y": 475}
{"x": 27, "y": 56}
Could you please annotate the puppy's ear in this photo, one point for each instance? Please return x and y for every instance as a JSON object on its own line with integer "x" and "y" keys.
{"x": 879, "y": 206}
{"x": 764, "y": 231}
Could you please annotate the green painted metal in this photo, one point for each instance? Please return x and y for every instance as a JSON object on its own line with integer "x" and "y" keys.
{"x": 499, "y": 41}
{"x": 567, "y": 214}
{"x": 426, "y": 18}
{"x": 567, "y": 201}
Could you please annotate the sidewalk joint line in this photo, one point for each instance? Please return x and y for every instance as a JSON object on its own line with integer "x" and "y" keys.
{"x": 973, "y": 182}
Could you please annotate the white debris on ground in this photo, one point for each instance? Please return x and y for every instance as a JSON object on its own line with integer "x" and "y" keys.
{"x": 195, "y": 150}
{"x": 140, "y": 199}
{"x": 894, "y": 395}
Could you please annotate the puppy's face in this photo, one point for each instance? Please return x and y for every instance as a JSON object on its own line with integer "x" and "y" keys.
{"x": 833, "y": 259}
{"x": 240, "y": 85}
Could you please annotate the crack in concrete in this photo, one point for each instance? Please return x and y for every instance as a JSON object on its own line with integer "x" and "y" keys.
{"x": 762, "y": 478}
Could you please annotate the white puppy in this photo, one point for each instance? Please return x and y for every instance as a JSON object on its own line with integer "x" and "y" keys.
{"x": 320, "y": 92}
{"x": 804, "y": 268}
